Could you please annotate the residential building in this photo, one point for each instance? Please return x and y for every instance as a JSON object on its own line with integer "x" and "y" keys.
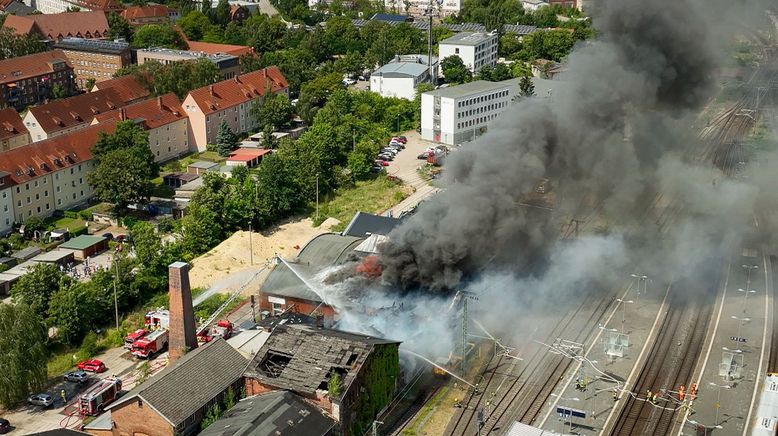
{"x": 69, "y": 114}
{"x": 239, "y": 13}
{"x": 176, "y": 400}
{"x": 228, "y": 65}
{"x": 230, "y": 101}
{"x": 95, "y": 59}
{"x": 417, "y": 8}
{"x": 85, "y": 246}
{"x": 401, "y": 76}
{"x": 272, "y": 413}
{"x": 213, "y": 48}
{"x": 128, "y": 88}
{"x": 57, "y": 25}
{"x": 7, "y": 216}
{"x": 149, "y": 14}
{"x": 13, "y": 134}
{"x": 27, "y": 80}
{"x": 15, "y": 7}
{"x": 201, "y": 167}
{"x": 303, "y": 359}
{"x": 459, "y": 113}
{"x": 51, "y": 175}
{"x": 164, "y": 120}
{"x": 566, "y": 3}
{"x": 476, "y": 49}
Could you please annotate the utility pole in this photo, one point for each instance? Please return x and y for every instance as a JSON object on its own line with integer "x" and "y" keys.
{"x": 430, "y": 12}
{"x": 317, "y": 196}
{"x": 251, "y": 246}
{"x": 115, "y": 298}
{"x": 375, "y": 427}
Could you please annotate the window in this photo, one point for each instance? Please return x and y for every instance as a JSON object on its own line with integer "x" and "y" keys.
{"x": 46, "y": 193}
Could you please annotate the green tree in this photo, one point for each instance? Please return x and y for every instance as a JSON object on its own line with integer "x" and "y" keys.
{"x": 486, "y": 73}
{"x": 226, "y": 140}
{"x": 73, "y": 310}
{"x": 24, "y": 356}
{"x": 118, "y": 27}
{"x": 127, "y": 135}
{"x": 494, "y": 13}
{"x": 279, "y": 194}
{"x": 314, "y": 94}
{"x": 33, "y": 224}
{"x": 89, "y": 83}
{"x": 148, "y": 245}
{"x": 554, "y": 45}
{"x": 274, "y": 110}
{"x": 269, "y": 141}
{"x": 342, "y": 36}
{"x": 222, "y": 13}
{"x": 207, "y": 9}
{"x": 526, "y": 87}
{"x": 361, "y": 159}
{"x": 194, "y": 25}
{"x": 211, "y": 415}
{"x": 58, "y": 91}
{"x": 454, "y": 70}
{"x": 501, "y": 72}
{"x": 37, "y": 286}
{"x": 158, "y": 35}
{"x": 13, "y": 45}
{"x": 545, "y": 17}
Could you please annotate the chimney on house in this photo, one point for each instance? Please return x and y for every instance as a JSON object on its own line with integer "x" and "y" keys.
{"x": 237, "y": 78}
{"x": 210, "y": 89}
{"x": 183, "y": 336}
{"x": 159, "y": 101}
{"x": 122, "y": 114}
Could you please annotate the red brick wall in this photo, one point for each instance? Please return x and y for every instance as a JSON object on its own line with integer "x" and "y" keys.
{"x": 132, "y": 419}
{"x": 182, "y": 322}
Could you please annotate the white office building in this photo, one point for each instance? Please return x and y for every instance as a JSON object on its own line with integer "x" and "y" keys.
{"x": 459, "y": 113}
{"x": 475, "y": 48}
{"x": 401, "y": 76}
{"x": 417, "y": 8}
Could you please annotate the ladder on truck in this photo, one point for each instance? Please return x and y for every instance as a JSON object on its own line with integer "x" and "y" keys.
{"x": 232, "y": 298}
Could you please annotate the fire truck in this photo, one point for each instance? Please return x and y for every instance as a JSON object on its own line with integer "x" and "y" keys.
{"x": 93, "y": 401}
{"x": 150, "y": 344}
{"x": 157, "y": 319}
{"x": 131, "y": 338}
{"x": 222, "y": 329}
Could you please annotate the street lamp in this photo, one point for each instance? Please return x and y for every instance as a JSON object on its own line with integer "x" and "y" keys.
{"x": 718, "y": 397}
{"x": 570, "y": 416}
{"x": 740, "y": 323}
{"x": 745, "y": 297}
{"x": 641, "y": 279}
{"x": 749, "y": 268}
{"x": 624, "y": 311}
{"x": 732, "y": 351}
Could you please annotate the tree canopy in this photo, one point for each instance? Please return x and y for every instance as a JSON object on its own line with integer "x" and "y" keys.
{"x": 24, "y": 356}
{"x": 454, "y": 70}
{"x": 226, "y": 140}
{"x": 13, "y": 45}
{"x": 158, "y": 35}
{"x": 274, "y": 110}
{"x": 118, "y": 27}
{"x": 176, "y": 77}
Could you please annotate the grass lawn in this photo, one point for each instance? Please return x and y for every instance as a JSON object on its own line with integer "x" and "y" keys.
{"x": 372, "y": 196}
{"x": 182, "y": 163}
{"x": 74, "y": 224}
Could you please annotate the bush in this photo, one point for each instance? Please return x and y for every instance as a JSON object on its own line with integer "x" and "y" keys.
{"x": 166, "y": 225}
{"x": 129, "y": 222}
{"x": 71, "y": 214}
{"x": 89, "y": 345}
{"x": 85, "y": 215}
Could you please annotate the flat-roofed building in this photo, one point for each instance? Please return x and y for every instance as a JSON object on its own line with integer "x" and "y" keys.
{"x": 95, "y": 59}
{"x": 401, "y": 76}
{"x": 228, "y": 65}
{"x": 460, "y": 113}
{"x": 476, "y": 49}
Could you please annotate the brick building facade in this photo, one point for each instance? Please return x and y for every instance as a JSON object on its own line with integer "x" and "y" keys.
{"x": 29, "y": 80}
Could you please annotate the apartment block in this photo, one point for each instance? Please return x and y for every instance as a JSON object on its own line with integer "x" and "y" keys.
{"x": 13, "y": 134}
{"x": 476, "y": 49}
{"x": 28, "y": 80}
{"x": 228, "y": 65}
{"x": 230, "y": 101}
{"x": 95, "y": 59}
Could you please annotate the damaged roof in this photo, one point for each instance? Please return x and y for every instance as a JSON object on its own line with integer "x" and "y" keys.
{"x": 301, "y": 358}
{"x": 366, "y": 224}
{"x": 279, "y": 413}
{"x": 321, "y": 252}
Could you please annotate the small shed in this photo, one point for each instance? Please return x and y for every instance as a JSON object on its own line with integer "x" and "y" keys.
{"x": 247, "y": 157}
{"x": 57, "y": 257}
{"x": 175, "y": 180}
{"x": 86, "y": 245}
{"x": 8, "y": 262}
{"x": 26, "y": 253}
{"x": 201, "y": 166}
{"x": 6, "y": 281}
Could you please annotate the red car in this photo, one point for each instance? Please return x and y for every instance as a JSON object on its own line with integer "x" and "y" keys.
{"x": 400, "y": 139}
{"x": 383, "y": 163}
{"x": 92, "y": 365}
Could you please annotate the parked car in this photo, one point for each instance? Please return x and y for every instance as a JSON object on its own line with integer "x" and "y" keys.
{"x": 386, "y": 156}
{"x": 122, "y": 238}
{"x": 382, "y": 163}
{"x": 397, "y": 145}
{"x": 5, "y": 426}
{"x": 349, "y": 81}
{"x": 108, "y": 236}
{"x": 92, "y": 365}
{"x": 376, "y": 169}
{"x": 401, "y": 139}
{"x": 79, "y": 376}
{"x": 423, "y": 155}
{"x": 389, "y": 150}
{"x": 44, "y": 400}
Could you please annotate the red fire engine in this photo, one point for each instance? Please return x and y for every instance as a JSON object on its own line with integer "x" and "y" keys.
{"x": 222, "y": 329}
{"x": 93, "y": 401}
{"x": 150, "y": 344}
{"x": 157, "y": 319}
{"x": 134, "y": 336}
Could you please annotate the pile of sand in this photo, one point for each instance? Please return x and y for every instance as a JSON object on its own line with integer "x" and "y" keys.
{"x": 234, "y": 254}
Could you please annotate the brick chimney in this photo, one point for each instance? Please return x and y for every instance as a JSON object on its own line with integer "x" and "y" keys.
{"x": 182, "y": 321}
{"x": 122, "y": 114}
{"x": 159, "y": 102}
{"x": 210, "y": 89}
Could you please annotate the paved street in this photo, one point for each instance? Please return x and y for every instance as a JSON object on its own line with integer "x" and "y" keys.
{"x": 405, "y": 167}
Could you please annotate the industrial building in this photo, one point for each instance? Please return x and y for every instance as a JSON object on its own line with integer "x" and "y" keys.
{"x": 460, "y": 113}
{"x": 476, "y": 49}
{"x": 400, "y": 77}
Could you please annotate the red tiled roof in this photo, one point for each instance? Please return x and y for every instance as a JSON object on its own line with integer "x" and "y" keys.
{"x": 247, "y": 154}
{"x": 11, "y": 124}
{"x": 89, "y": 24}
{"x": 73, "y": 111}
{"x": 148, "y": 11}
{"x": 213, "y": 48}
{"x": 154, "y": 112}
{"x": 44, "y": 157}
{"x": 100, "y": 5}
{"x": 240, "y": 89}
{"x": 34, "y": 65}
{"x": 128, "y": 87}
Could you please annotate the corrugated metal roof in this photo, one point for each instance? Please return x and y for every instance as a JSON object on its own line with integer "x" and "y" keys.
{"x": 82, "y": 242}
{"x": 467, "y": 89}
{"x": 468, "y": 38}
{"x": 364, "y": 224}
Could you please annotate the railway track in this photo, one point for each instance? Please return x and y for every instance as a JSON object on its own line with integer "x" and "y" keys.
{"x": 670, "y": 364}
{"x": 772, "y": 362}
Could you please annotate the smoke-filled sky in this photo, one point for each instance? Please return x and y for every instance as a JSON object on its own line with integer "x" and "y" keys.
{"x": 612, "y": 136}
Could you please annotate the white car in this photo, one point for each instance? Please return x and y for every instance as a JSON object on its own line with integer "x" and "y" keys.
{"x": 349, "y": 81}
